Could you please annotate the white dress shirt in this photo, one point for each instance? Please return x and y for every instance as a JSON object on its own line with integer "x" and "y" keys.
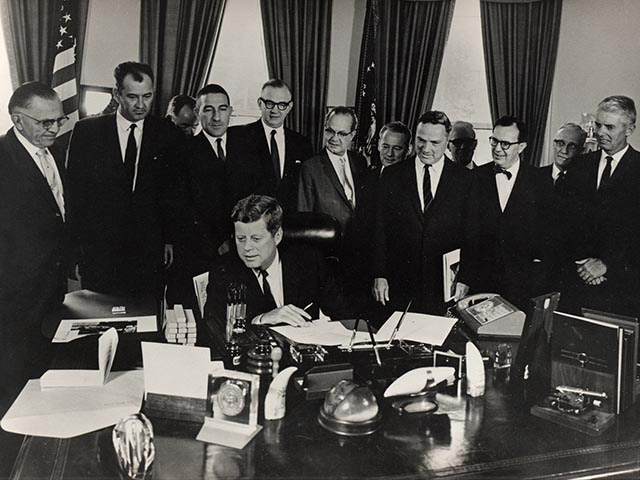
{"x": 505, "y": 185}
{"x": 274, "y": 278}
{"x": 614, "y": 162}
{"x": 279, "y": 141}
{"x": 435, "y": 172}
{"x": 214, "y": 142}
{"x": 555, "y": 172}
{"x": 336, "y": 161}
{"x": 123, "y": 137}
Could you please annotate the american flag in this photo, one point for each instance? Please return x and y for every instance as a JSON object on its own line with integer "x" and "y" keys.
{"x": 64, "y": 80}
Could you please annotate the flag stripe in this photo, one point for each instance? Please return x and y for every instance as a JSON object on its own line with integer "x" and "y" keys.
{"x": 64, "y": 75}
{"x": 67, "y": 89}
{"x": 64, "y": 59}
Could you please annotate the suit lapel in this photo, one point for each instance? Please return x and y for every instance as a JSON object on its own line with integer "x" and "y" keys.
{"x": 412, "y": 187}
{"x": 289, "y": 276}
{"x": 443, "y": 186}
{"x": 331, "y": 174}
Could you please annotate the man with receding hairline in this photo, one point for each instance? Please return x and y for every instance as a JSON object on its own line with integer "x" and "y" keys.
{"x": 462, "y": 144}
{"x": 181, "y": 111}
{"x": 33, "y": 233}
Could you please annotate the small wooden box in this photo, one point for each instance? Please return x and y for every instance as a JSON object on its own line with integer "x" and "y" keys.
{"x": 175, "y": 408}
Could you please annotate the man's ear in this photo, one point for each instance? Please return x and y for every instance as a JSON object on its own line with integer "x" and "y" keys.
{"x": 630, "y": 129}
{"x": 278, "y": 236}
{"x": 17, "y": 121}
{"x": 521, "y": 147}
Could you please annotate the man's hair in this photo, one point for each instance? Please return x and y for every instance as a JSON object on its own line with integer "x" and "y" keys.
{"x": 619, "y": 103}
{"x": 135, "y": 69}
{"x": 436, "y": 117}
{"x": 462, "y": 126}
{"x": 343, "y": 111}
{"x": 179, "y": 101}
{"x": 254, "y": 207}
{"x": 276, "y": 83}
{"x": 582, "y": 135}
{"x": 213, "y": 88}
{"x": 509, "y": 121}
{"x": 25, "y": 93}
{"x": 397, "y": 127}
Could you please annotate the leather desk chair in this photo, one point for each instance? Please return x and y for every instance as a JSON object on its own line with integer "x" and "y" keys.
{"x": 316, "y": 229}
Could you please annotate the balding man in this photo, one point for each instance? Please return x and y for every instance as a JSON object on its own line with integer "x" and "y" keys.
{"x": 567, "y": 145}
{"x": 33, "y": 232}
{"x": 462, "y": 144}
{"x": 181, "y": 111}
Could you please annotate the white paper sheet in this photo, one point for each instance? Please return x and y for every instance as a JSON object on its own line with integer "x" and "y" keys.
{"x": 417, "y": 327}
{"x": 68, "y": 412}
{"x": 321, "y": 332}
{"x": 69, "y": 330}
{"x": 177, "y": 370}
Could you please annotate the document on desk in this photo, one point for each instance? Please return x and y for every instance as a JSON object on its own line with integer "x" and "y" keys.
{"x": 417, "y": 327}
{"x": 68, "y": 412}
{"x": 69, "y": 330}
{"x": 321, "y": 332}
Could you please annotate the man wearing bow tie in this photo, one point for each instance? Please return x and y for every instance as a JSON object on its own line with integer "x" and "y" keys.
{"x": 502, "y": 244}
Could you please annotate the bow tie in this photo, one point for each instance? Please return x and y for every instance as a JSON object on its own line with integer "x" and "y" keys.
{"x": 498, "y": 169}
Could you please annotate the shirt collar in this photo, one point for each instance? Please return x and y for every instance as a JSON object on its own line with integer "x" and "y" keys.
{"x": 213, "y": 140}
{"x": 514, "y": 169}
{"x": 123, "y": 123}
{"x": 30, "y": 147}
{"x": 336, "y": 158}
{"x": 616, "y": 156}
{"x": 271, "y": 269}
{"x": 555, "y": 171}
{"x": 436, "y": 167}
{"x": 267, "y": 129}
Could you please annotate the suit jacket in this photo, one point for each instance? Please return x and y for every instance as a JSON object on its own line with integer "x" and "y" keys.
{"x": 121, "y": 234}
{"x": 257, "y": 169}
{"x": 305, "y": 279}
{"x": 408, "y": 245}
{"x": 605, "y": 225}
{"x": 500, "y": 247}
{"x": 320, "y": 189}
{"x": 33, "y": 261}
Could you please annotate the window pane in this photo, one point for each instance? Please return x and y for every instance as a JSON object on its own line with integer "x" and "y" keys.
{"x": 240, "y": 62}
{"x": 94, "y": 102}
{"x": 5, "y": 86}
{"x": 462, "y": 86}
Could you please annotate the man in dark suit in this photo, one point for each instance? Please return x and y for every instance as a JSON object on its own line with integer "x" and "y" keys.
{"x": 33, "y": 233}
{"x": 603, "y": 271}
{"x": 123, "y": 204}
{"x": 283, "y": 285}
{"x": 181, "y": 111}
{"x": 502, "y": 249}
{"x": 567, "y": 145}
{"x": 333, "y": 183}
{"x": 462, "y": 144}
{"x": 419, "y": 218}
{"x": 273, "y": 152}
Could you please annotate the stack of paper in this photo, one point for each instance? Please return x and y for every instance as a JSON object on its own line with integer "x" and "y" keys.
{"x": 180, "y": 326}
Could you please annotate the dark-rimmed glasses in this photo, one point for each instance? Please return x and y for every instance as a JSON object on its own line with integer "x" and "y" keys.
{"x": 270, "y": 104}
{"x": 494, "y": 142}
{"x": 330, "y": 132}
{"x": 47, "y": 123}
{"x": 570, "y": 146}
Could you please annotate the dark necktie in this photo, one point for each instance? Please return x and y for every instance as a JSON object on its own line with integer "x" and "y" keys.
{"x": 266, "y": 289}
{"x": 498, "y": 170}
{"x": 605, "y": 181}
{"x": 426, "y": 189}
{"x": 560, "y": 180}
{"x": 130, "y": 155}
{"x": 275, "y": 155}
{"x": 220, "y": 151}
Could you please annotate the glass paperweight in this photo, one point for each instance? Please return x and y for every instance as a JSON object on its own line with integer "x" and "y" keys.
{"x": 132, "y": 439}
{"x": 350, "y": 409}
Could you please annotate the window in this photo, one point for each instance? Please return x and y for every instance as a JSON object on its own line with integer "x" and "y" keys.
{"x": 240, "y": 62}
{"x": 94, "y": 100}
{"x": 5, "y": 86}
{"x": 462, "y": 87}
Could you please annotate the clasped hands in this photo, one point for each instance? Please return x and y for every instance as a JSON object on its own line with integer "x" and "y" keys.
{"x": 592, "y": 271}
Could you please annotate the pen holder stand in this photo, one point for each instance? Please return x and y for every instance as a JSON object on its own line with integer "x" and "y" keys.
{"x": 236, "y": 309}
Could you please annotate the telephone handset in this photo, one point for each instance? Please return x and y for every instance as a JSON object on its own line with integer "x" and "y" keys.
{"x": 490, "y": 314}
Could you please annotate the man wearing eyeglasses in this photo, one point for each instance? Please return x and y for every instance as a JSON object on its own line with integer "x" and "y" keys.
{"x": 33, "y": 233}
{"x": 277, "y": 152}
{"x": 419, "y": 218}
{"x": 603, "y": 271}
{"x": 124, "y": 209}
{"x": 502, "y": 245}
{"x": 567, "y": 145}
{"x": 462, "y": 144}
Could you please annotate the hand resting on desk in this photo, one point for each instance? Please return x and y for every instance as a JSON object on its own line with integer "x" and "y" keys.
{"x": 289, "y": 314}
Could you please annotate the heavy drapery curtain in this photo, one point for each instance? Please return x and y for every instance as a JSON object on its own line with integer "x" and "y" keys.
{"x": 408, "y": 47}
{"x": 178, "y": 40}
{"x": 520, "y": 39}
{"x": 297, "y": 38}
{"x": 30, "y": 31}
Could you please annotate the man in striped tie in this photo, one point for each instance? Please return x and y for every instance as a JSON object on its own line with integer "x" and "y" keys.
{"x": 33, "y": 233}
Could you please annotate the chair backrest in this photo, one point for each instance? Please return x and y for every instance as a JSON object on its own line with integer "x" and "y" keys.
{"x": 200, "y": 283}
{"x": 316, "y": 229}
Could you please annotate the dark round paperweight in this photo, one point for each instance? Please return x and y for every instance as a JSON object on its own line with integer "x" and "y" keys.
{"x": 350, "y": 409}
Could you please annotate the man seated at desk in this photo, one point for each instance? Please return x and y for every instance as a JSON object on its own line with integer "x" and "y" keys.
{"x": 280, "y": 280}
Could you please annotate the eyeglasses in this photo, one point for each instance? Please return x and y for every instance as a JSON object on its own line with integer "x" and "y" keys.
{"x": 503, "y": 143}
{"x": 561, "y": 144}
{"x": 49, "y": 122}
{"x": 270, "y": 104}
{"x": 330, "y": 132}
{"x": 463, "y": 142}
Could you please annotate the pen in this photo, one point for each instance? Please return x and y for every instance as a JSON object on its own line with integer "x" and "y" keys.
{"x": 305, "y": 308}
{"x": 395, "y": 330}
{"x": 375, "y": 347}
{"x": 353, "y": 334}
